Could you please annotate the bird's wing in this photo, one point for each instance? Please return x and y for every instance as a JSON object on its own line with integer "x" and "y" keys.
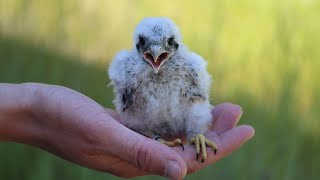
{"x": 119, "y": 79}
{"x": 117, "y": 69}
{"x": 202, "y": 79}
{"x": 199, "y": 116}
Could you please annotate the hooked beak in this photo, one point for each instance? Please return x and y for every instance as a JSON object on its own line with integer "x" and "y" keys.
{"x": 156, "y": 56}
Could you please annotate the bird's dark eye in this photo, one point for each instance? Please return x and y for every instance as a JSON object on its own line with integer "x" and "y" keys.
{"x": 142, "y": 41}
{"x": 171, "y": 41}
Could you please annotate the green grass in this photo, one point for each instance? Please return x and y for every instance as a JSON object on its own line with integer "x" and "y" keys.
{"x": 262, "y": 54}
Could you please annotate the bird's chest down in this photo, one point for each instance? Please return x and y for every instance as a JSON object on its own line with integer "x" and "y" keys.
{"x": 158, "y": 108}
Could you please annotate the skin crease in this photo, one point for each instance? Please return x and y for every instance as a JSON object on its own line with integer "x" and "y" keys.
{"x": 76, "y": 128}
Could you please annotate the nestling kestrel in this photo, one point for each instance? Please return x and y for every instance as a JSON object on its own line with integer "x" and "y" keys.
{"x": 162, "y": 88}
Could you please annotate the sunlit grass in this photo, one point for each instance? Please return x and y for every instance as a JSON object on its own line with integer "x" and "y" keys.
{"x": 262, "y": 54}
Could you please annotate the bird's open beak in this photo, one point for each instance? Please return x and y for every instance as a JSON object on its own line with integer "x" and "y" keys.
{"x": 156, "y": 56}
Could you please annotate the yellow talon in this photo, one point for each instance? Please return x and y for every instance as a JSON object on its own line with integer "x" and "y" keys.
{"x": 201, "y": 141}
{"x": 174, "y": 143}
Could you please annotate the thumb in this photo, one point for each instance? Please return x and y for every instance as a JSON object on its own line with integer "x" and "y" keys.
{"x": 149, "y": 155}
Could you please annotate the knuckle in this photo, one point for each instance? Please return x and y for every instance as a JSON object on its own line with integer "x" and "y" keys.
{"x": 142, "y": 156}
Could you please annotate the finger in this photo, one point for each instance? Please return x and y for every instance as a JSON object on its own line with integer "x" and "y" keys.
{"x": 148, "y": 155}
{"x": 234, "y": 138}
{"x": 225, "y": 117}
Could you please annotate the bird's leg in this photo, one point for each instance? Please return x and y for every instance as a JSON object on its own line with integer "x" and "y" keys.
{"x": 174, "y": 143}
{"x": 200, "y": 142}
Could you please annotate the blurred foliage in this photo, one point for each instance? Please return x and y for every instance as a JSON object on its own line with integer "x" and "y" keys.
{"x": 262, "y": 54}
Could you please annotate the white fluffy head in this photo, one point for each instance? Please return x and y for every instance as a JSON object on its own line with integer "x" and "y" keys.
{"x": 157, "y": 29}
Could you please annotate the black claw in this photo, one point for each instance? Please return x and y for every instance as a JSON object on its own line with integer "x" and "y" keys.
{"x": 215, "y": 152}
{"x": 182, "y": 147}
{"x": 197, "y": 157}
{"x": 158, "y": 137}
{"x": 202, "y": 161}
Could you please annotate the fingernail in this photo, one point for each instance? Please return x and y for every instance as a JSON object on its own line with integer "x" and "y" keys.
{"x": 173, "y": 170}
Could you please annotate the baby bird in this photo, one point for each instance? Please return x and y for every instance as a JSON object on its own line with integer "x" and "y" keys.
{"x": 161, "y": 88}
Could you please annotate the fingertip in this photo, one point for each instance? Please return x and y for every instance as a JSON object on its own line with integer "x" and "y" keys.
{"x": 176, "y": 167}
{"x": 183, "y": 169}
{"x": 249, "y": 131}
{"x": 236, "y": 137}
{"x": 243, "y": 132}
{"x": 165, "y": 158}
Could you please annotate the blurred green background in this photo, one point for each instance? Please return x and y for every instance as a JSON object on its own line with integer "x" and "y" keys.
{"x": 263, "y": 55}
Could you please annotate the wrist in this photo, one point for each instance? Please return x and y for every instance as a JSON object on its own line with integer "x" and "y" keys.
{"x": 17, "y": 122}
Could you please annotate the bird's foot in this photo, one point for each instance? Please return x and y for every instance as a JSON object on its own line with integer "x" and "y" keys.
{"x": 200, "y": 142}
{"x": 174, "y": 143}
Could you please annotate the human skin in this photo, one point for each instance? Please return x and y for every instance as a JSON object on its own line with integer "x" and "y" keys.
{"x": 76, "y": 128}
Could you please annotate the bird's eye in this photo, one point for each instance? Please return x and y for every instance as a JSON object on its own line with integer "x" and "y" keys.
{"x": 142, "y": 41}
{"x": 171, "y": 41}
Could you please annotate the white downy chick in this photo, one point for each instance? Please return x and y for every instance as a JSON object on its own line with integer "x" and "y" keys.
{"x": 162, "y": 88}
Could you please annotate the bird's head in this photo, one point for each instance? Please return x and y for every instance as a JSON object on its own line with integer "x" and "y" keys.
{"x": 156, "y": 40}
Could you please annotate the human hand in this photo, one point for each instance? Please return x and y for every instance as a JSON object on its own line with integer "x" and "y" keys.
{"x": 78, "y": 129}
{"x": 74, "y": 127}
